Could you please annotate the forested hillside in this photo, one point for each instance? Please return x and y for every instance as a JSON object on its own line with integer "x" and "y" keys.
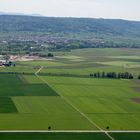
{"x": 68, "y": 33}
{"x": 69, "y": 25}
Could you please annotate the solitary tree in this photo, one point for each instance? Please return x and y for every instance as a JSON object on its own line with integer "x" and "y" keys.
{"x": 49, "y": 128}
{"x": 107, "y": 128}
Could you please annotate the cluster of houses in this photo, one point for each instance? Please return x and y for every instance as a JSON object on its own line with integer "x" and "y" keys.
{"x": 6, "y": 63}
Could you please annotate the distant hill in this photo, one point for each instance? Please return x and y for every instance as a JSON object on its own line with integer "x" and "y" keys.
{"x": 10, "y": 23}
{"x": 68, "y": 33}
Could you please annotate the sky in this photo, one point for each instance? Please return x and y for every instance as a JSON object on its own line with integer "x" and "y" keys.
{"x": 116, "y": 9}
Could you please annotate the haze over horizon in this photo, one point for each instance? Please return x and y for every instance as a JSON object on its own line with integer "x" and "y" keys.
{"x": 112, "y": 9}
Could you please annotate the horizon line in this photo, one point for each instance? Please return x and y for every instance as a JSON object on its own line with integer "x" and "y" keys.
{"x": 40, "y": 15}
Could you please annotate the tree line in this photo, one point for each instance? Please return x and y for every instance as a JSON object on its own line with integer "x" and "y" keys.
{"x": 114, "y": 75}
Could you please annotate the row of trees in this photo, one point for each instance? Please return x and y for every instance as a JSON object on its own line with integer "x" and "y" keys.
{"x": 125, "y": 75}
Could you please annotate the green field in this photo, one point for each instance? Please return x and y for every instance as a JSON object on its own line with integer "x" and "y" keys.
{"x": 126, "y": 136}
{"x": 27, "y": 106}
{"x": 68, "y": 136}
{"x": 106, "y": 102}
{"x": 16, "y": 85}
{"x": 53, "y": 136}
{"x": 7, "y": 105}
{"x": 64, "y": 97}
{"x": 90, "y": 60}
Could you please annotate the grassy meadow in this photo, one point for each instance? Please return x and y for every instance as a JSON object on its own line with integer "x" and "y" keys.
{"x": 54, "y": 136}
{"x": 27, "y": 106}
{"x": 104, "y": 101}
{"x": 68, "y": 136}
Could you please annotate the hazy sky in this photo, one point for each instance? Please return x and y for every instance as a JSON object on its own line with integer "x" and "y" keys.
{"x": 124, "y": 9}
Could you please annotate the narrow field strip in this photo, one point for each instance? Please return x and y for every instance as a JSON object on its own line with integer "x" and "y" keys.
{"x": 68, "y": 131}
{"x": 86, "y": 117}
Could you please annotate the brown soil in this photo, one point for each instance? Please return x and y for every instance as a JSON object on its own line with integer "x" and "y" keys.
{"x": 137, "y": 82}
{"x": 137, "y": 100}
{"x": 137, "y": 89}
